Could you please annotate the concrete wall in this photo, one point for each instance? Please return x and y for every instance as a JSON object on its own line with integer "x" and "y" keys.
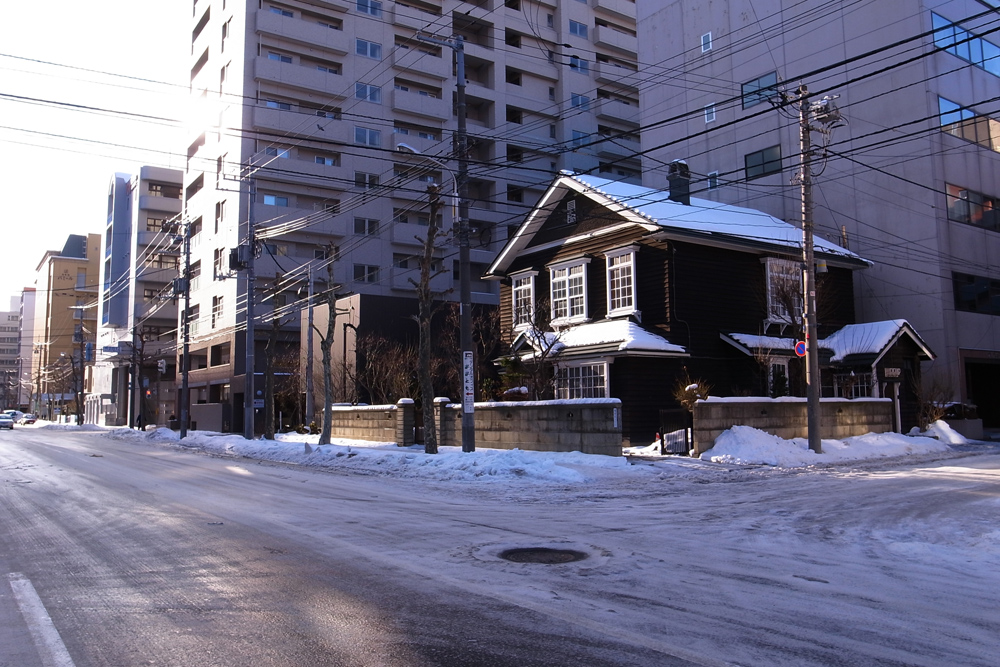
{"x": 591, "y": 426}
{"x": 786, "y": 417}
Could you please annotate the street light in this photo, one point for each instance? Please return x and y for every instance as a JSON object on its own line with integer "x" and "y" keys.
{"x": 406, "y": 148}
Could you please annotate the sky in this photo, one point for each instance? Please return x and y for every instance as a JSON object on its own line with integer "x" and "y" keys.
{"x": 117, "y": 55}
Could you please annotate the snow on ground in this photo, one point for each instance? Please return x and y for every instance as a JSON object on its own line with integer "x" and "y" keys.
{"x": 738, "y": 446}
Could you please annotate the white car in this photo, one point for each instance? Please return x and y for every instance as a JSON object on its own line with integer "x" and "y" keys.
{"x": 6, "y": 421}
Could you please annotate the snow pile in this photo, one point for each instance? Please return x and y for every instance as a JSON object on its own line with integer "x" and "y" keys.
{"x": 747, "y": 445}
{"x": 385, "y": 458}
{"x": 945, "y": 433}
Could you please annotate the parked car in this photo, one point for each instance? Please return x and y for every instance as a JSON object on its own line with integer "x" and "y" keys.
{"x": 27, "y": 418}
{"x": 14, "y": 414}
{"x": 6, "y": 421}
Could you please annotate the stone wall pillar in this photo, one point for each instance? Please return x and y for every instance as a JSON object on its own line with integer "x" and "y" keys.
{"x": 405, "y": 421}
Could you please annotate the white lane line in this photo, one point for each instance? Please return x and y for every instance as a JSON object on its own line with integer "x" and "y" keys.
{"x": 49, "y": 644}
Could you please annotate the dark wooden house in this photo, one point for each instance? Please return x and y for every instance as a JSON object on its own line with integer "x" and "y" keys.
{"x": 626, "y": 292}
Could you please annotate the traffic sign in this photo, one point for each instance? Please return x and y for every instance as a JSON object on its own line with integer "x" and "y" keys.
{"x": 800, "y": 348}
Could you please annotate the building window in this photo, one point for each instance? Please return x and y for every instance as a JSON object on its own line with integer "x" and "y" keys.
{"x": 154, "y": 224}
{"x": 216, "y": 311}
{"x": 709, "y": 113}
{"x": 578, "y": 29}
{"x": 275, "y": 200}
{"x": 513, "y": 77}
{"x": 523, "y": 299}
{"x": 579, "y": 138}
{"x": 965, "y": 45}
{"x": 218, "y": 262}
{"x": 762, "y": 163}
{"x": 972, "y": 208}
{"x": 365, "y": 273}
{"x": 976, "y": 294}
{"x": 784, "y": 290}
{"x": 759, "y": 90}
{"x": 713, "y": 180}
{"x": 225, "y": 34}
{"x": 364, "y": 91}
{"x": 281, "y": 12}
{"x": 512, "y": 4}
{"x": 327, "y": 161}
{"x": 364, "y": 136}
{"x": 280, "y": 57}
{"x": 275, "y": 104}
{"x": 852, "y": 385}
{"x": 706, "y": 42}
{"x": 569, "y": 292}
{"x": 515, "y": 115}
{"x": 580, "y": 101}
{"x": 366, "y": 226}
{"x": 621, "y": 282}
{"x": 579, "y": 64}
{"x": 964, "y": 123}
{"x": 274, "y": 151}
{"x": 584, "y": 381}
{"x": 373, "y": 7}
{"x": 515, "y": 194}
{"x": 365, "y": 181}
{"x": 369, "y": 49}
{"x": 511, "y": 38}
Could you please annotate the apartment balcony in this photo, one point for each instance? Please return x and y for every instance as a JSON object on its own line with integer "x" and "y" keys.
{"x": 515, "y": 20}
{"x": 411, "y": 17}
{"x": 420, "y": 105}
{"x": 624, "y": 9}
{"x": 484, "y": 53}
{"x": 307, "y": 79}
{"x": 399, "y": 279}
{"x": 292, "y": 123}
{"x": 613, "y": 39}
{"x": 617, "y": 148}
{"x": 304, "y": 32}
{"x": 415, "y": 60}
{"x": 617, "y": 75}
{"x": 532, "y": 61}
{"x": 618, "y": 111}
{"x": 163, "y": 204}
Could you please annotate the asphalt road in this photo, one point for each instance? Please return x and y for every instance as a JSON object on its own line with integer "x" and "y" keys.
{"x": 148, "y": 555}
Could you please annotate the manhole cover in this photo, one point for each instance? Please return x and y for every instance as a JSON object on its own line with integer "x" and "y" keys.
{"x": 542, "y": 555}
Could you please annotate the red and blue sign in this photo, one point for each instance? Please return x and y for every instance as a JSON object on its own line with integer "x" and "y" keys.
{"x": 800, "y": 348}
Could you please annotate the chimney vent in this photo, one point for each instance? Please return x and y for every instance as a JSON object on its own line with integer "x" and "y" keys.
{"x": 679, "y": 180}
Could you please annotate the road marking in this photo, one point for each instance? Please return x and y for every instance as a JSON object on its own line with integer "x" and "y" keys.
{"x": 49, "y": 644}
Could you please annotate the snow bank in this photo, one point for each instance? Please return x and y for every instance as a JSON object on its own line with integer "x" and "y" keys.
{"x": 747, "y": 445}
{"x": 945, "y": 433}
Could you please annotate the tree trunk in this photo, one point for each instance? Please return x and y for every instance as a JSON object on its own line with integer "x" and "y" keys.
{"x": 325, "y": 344}
{"x": 425, "y": 311}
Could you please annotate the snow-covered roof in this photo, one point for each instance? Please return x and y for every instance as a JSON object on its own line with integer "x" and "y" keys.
{"x": 705, "y": 216}
{"x": 870, "y": 338}
{"x": 627, "y": 334}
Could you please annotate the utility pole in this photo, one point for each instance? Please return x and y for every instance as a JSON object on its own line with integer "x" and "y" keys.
{"x": 310, "y": 408}
{"x": 248, "y": 388}
{"x": 186, "y": 353}
{"x": 468, "y": 366}
{"x": 825, "y": 113}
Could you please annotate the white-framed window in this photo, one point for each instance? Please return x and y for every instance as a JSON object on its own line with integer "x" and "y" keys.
{"x": 621, "y": 281}
{"x": 369, "y": 49}
{"x": 709, "y": 112}
{"x": 578, "y": 29}
{"x": 713, "y": 180}
{"x": 373, "y": 7}
{"x": 217, "y": 311}
{"x": 523, "y": 299}
{"x": 582, "y": 381}
{"x": 777, "y": 378}
{"x": 569, "y": 291}
{"x": 784, "y": 290}
{"x": 706, "y": 42}
{"x": 852, "y": 385}
{"x": 369, "y": 93}
{"x": 367, "y": 137}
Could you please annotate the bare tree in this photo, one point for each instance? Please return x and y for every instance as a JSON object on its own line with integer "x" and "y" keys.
{"x": 387, "y": 368}
{"x": 425, "y": 311}
{"x": 325, "y": 345}
{"x": 532, "y": 368}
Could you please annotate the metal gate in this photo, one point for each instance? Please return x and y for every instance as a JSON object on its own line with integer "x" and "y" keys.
{"x": 675, "y": 431}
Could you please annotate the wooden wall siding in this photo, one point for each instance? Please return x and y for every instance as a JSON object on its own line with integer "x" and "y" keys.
{"x": 589, "y": 216}
{"x": 645, "y": 386}
{"x": 903, "y": 355}
{"x": 834, "y": 300}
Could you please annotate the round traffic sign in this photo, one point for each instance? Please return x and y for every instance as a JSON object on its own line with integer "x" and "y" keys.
{"x": 800, "y": 348}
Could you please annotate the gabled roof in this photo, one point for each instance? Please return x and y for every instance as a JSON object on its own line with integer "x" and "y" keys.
{"x": 871, "y": 340}
{"x": 702, "y": 221}
{"x": 609, "y": 337}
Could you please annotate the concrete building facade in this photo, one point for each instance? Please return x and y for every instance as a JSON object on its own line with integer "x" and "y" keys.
{"x": 10, "y": 354}
{"x": 328, "y": 120}
{"x": 137, "y": 311}
{"x": 908, "y": 181}
{"x": 65, "y": 320}
{"x": 25, "y": 338}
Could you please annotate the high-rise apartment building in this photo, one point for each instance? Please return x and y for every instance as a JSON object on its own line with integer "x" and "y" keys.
{"x": 909, "y": 179}
{"x": 328, "y": 119}
{"x": 136, "y": 310}
{"x": 25, "y": 337}
{"x": 10, "y": 354}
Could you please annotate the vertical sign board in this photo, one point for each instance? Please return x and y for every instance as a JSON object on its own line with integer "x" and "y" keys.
{"x": 469, "y": 383}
